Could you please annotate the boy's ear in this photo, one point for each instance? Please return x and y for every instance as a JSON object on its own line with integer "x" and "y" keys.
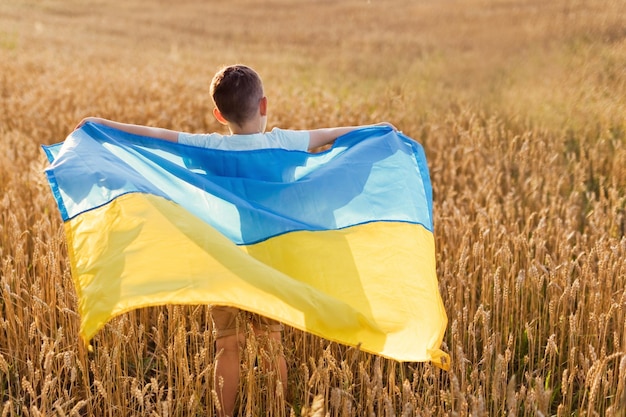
{"x": 263, "y": 106}
{"x": 219, "y": 117}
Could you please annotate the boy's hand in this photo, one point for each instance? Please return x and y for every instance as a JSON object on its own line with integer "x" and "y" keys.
{"x": 387, "y": 125}
{"x": 88, "y": 119}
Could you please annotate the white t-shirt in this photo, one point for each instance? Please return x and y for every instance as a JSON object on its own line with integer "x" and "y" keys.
{"x": 294, "y": 140}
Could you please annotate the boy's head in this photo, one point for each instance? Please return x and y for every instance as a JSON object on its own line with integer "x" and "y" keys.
{"x": 237, "y": 91}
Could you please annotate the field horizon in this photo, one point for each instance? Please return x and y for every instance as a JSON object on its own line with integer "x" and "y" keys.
{"x": 520, "y": 106}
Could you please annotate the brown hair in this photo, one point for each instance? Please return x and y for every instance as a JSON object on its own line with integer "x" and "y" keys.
{"x": 236, "y": 91}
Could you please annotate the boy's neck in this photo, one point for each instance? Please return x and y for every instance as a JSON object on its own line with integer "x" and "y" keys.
{"x": 250, "y": 128}
{"x": 238, "y": 131}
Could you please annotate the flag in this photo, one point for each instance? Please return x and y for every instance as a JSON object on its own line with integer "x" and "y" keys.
{"x": 338, "y": 243}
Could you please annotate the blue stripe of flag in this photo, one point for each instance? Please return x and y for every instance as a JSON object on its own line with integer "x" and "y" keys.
{"x": 372, "y": 174}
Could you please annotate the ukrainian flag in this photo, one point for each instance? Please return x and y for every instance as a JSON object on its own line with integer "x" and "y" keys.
{"x": 339, "y": 243}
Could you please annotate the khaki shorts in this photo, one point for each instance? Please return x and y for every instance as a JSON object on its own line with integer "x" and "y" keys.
{"x": 228, "y": 321}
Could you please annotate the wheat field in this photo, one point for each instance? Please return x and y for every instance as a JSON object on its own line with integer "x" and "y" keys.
{"x": 520, "y": 106}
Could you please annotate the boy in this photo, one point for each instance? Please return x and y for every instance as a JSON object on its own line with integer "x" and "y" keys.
{"x": 237, "y": 93}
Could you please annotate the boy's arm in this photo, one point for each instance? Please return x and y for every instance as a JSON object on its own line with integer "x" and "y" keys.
{"x": 325, "y": 136}
{"x": 154, "y": 132}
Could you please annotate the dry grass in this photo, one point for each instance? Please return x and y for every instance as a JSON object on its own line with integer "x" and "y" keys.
{"x": 520, "y": 105}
